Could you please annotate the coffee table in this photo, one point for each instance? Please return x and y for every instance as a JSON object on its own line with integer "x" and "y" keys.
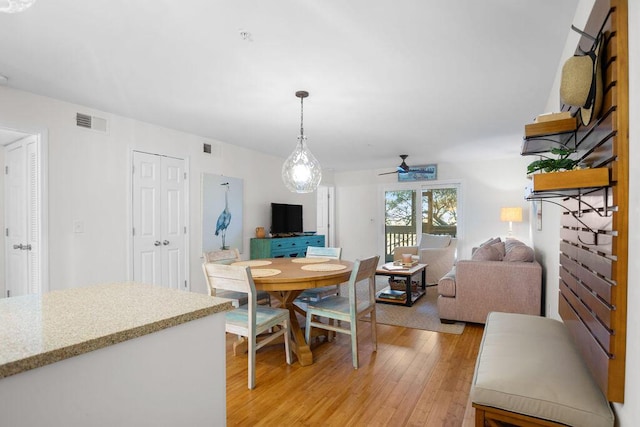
{"x": 406, "y": 273}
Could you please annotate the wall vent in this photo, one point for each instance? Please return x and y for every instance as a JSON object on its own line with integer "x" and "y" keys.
{"x": 206, "y": 148}
{"x": 91, "y": 122}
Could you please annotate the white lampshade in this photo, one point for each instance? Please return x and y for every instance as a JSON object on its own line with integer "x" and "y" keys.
{"x": 511, "y": 214}
{"x": 14, "y": 6}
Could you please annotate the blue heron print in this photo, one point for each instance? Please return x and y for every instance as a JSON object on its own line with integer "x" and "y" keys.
{"x": 224, "y": 219}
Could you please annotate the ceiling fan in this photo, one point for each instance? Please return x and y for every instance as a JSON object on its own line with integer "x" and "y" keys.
{"x": 402, "y": 168}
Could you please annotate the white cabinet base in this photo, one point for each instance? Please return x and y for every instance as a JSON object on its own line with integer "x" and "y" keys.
{"x": 173, "y": 377}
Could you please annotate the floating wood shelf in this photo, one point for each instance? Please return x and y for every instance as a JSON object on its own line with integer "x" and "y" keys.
{"x": 550, "y": 127}
{"x": 541, "y": 137}
{"x": 581, "y": 178}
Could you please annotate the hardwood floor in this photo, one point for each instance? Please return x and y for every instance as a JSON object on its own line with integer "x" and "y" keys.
{"x": 416, "y": 378}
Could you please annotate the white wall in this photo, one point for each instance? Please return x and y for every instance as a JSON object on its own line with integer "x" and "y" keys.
{"x": 486, "y": 186}
{"x": 89, "y": 181}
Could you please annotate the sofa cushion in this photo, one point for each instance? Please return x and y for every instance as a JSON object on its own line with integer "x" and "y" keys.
{"x": 516, "y": 251}
{"x": 447, "y": 284}
{"x": 490, "y": 241}
{"x": 494, "y": 252}
{"x": 434, "y": 241}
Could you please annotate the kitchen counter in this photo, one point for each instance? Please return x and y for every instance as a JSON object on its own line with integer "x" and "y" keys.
{"x": 37, "y": 330}
{"x": 124, "y": 344}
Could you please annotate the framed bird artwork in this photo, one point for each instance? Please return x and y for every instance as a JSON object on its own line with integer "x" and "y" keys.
{"x": 221, "y": 212}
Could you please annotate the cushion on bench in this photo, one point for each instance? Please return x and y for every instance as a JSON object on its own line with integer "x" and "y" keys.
{"x": 529, "y": 365}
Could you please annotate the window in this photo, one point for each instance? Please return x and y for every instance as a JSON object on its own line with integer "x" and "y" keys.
{"x": 429, "y": 209}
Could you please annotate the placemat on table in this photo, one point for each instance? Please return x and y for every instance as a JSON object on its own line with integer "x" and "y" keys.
{"x": 323, "y": 267}
{"x": 264, "y": 272}
{"x": 313, "y": 260}
{"x": 252, "y": 263}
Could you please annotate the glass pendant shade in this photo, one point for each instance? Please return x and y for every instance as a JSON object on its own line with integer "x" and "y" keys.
{"x": 301, "y": 172}
{"x": 14, "y": 6}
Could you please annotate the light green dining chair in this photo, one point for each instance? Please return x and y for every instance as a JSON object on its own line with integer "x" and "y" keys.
{"x": 249, "y": 320}
{"x": 348, "y": 308}
{"x": 316, "y": 294}
{"x": 229, "y": 256}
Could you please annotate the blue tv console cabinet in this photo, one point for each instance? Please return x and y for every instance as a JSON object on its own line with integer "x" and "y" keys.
{"x": 283, "y": 247}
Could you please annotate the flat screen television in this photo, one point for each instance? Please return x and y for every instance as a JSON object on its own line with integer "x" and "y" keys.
{"x": 286, "y": 219}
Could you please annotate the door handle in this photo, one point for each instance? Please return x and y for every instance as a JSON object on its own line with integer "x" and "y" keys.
{"x": 157, "y": 243}
{"x": 18, "y": 246}
{"x": 27, "y": 247}
{"x": 166, "y": 242}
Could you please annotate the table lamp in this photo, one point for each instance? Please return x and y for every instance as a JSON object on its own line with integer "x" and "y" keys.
{"x": 511, "y": 215}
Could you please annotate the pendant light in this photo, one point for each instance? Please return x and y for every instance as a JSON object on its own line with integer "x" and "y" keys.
{"x": 14, "y": 6}
{"x": 301, "y": 172}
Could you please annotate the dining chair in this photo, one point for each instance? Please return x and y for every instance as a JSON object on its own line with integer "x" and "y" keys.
{"x": 349, "y": 308}
{"x": 249, "y": 320}
{"x": 229, "y": 256}
{"x": 316, "y": 294}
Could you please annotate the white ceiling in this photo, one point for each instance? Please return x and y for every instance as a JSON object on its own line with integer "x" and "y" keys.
{"x": 433, "y": 79}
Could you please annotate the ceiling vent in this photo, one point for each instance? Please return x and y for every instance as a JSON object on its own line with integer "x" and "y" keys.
{"x": 91, "y": 122}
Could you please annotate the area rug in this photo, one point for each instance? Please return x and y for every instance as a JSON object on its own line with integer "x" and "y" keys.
{"x": 422, "y": 315}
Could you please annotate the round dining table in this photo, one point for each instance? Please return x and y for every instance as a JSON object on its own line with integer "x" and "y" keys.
{"x": 286, "y": 278}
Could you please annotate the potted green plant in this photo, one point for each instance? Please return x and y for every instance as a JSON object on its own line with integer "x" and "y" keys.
{"x": 562, "y": 162}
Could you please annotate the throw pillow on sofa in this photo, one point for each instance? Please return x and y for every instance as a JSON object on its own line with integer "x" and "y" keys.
{"x": 516, "y": 251}
{"x": 489, "y": 252}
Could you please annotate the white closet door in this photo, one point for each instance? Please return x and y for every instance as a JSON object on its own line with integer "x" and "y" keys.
{"x": 22, "y": 207}
{"x": 173, "y": 223}
{"x": 159, "y": 220}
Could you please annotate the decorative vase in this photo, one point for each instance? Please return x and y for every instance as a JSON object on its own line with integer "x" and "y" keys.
{"x": 260, "y": 232}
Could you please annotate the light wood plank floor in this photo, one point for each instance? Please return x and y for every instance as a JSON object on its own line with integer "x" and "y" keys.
{"x": 416, "y": 378}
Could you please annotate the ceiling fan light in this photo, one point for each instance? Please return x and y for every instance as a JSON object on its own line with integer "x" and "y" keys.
{"x": 15, "y": 6}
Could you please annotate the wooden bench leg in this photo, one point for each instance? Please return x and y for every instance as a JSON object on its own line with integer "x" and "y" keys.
{"x": 487, "y": 416}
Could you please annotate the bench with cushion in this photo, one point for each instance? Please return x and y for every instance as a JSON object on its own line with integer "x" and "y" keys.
{"x": 529, "y": 373}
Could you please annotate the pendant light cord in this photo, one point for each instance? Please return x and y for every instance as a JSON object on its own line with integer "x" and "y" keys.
{"x": 301, "y": 116}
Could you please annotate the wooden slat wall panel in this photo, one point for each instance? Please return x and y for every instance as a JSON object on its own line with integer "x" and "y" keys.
{"x": 601, "y": 310}
{"x": 594, "y": 356}
{"x": 594, "y": 228}
{"x": 578, "y": 238}
{"x": 591, "y": 280}
{"x": 595, "y": 327}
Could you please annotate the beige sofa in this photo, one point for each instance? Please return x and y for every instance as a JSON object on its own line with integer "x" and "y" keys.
{"x": 438, "y": 251}
{"x": 501, "y": 276}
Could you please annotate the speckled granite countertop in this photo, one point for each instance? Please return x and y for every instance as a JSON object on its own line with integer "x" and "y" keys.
{"x": 37, "y": 330}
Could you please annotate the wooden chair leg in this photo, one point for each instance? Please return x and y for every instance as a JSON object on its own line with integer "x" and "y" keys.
{"x": 354, "y": 343}
{"x": 251, "y": 356}
{"x": 287, "y": 344}
{"x": 374, "y": 330}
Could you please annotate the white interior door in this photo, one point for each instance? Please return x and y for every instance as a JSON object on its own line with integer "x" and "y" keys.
{"x": 325, "y": 206}
{"x": 159, "y": 226}
{"x": 22, "y": 217}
